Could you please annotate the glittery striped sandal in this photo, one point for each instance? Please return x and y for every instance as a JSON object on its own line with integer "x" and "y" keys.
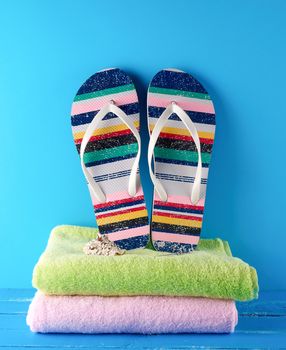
{"x": 105, "y": 124}
{"x": 181, "y": 120}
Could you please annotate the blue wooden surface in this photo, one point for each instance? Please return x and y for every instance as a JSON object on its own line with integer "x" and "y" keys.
{"x": 262, "y": 325}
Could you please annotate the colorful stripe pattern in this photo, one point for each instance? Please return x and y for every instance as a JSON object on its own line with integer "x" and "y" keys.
{"x": 176, "y": 224}
{"x": 109, "y": 156}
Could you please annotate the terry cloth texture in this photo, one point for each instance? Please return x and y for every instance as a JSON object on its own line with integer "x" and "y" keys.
{"x": 110, "y": 154}
{"x": 210, "y": 271}
{"x": 138, "y": 314}
{"x": 176, "y": 223}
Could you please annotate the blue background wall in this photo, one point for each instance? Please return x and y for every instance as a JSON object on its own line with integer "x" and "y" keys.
{"x": 236, "y": 48}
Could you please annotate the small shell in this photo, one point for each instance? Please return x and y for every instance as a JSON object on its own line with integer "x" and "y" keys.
{"x": 102, "y": 246}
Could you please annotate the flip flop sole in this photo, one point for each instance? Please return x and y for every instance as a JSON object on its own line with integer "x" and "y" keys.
{"x": 110, "y": 154}
{"x": 176, "y": 224}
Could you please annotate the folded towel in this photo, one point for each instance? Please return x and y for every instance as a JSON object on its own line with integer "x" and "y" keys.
{"x": 210, "y": 271}
{"x": 141, "y": 314}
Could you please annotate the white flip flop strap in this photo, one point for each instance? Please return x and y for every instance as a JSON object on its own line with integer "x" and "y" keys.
{"x": 110, "y": 108}
{"x": 174, "y": 108}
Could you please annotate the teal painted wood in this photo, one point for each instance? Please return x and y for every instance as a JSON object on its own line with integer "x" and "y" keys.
{"x": 262, "y": 324}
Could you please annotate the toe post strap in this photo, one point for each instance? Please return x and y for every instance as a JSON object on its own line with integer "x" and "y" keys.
{"x": 172, "y": 108}
{"x": 110, "y": 107}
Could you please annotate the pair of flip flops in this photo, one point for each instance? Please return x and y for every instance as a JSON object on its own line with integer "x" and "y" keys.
{"x": 181, "y": 119}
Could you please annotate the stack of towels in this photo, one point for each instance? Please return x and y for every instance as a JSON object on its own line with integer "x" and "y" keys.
{"x": 141, "y": 291}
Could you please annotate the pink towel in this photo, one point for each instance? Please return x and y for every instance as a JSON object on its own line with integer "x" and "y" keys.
{"x": 137, "y": 314}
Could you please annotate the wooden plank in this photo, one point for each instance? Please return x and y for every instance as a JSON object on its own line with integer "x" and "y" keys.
{"x": 269, "y": 303}
{"x": 14, "y": 307}
{"x": 237, "y": 340}
{"x": 12, "y": 294}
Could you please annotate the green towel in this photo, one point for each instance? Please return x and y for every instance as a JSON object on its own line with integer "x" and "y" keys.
{"x": 210, "y": 271}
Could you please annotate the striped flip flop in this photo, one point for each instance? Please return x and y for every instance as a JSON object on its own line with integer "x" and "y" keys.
{"x": 105, "y": 124}
{"x": 181, "y": 119}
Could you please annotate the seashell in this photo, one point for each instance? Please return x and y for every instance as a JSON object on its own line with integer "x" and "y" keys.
{"x": 102, "y": 246}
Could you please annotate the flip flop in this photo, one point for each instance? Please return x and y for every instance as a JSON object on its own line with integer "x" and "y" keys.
{"x": 181, "y": 119}
{"x": 105, "y": 126}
